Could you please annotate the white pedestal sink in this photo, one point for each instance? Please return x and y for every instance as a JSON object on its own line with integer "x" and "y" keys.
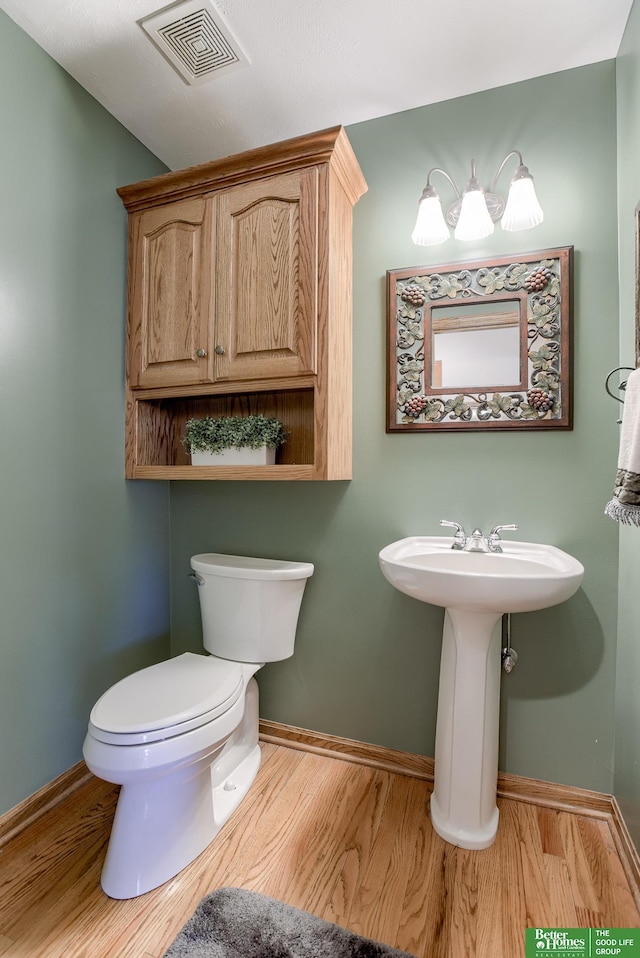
{"x": 475, "y": 588}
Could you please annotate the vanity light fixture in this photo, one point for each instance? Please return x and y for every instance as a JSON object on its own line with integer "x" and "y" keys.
{"x": 474, "y": 211}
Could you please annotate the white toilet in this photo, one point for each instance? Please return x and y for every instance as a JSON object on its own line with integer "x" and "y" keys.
{"x": 181, "y": 737}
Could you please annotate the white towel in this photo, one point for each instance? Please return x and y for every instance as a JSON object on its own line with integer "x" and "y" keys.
{"x": 625, "y": 505}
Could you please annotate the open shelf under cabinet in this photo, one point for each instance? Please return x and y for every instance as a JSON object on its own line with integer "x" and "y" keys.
{"x": 157, "y": 428}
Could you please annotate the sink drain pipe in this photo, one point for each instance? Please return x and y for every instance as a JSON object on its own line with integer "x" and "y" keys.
{"x": 509, "y": 655}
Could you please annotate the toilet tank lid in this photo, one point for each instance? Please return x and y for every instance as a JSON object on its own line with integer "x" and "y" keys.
{"x": 245, "y": 567}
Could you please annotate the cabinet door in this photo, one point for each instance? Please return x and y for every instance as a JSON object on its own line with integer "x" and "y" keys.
{"x": 170, "y": 294}
{"x": 266, "y": 278}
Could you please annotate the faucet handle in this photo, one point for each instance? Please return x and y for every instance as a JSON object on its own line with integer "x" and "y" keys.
{"x": 498, "y": 529}
{"x": 460, "y": 537}
{"x": 494, "y": 536}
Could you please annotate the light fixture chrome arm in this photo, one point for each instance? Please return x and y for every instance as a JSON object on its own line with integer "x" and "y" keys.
{"x": 429, "y": 187}
{"x": 521, "y": 166}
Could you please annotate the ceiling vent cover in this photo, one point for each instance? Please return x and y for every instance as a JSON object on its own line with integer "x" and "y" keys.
{"x": 195, "y": 40}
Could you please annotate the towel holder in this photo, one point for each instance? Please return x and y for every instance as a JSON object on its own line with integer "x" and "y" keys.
{"x": 621, "y": 386}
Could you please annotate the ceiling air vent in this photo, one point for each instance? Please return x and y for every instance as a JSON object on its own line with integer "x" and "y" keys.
{"x": 195, "y": 40}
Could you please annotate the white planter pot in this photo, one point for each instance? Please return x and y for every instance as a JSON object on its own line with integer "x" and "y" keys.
{"x": 263, "y": 456}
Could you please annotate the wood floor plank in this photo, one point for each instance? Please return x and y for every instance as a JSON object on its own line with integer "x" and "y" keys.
{"x": 588, "y": 918}
{"x": 425, "y": 918}
{"x": 345, "y": 824}
{"x": 360, "y": 847}
{"x": 540, "y": 911}
{"x": 421, "y": 910}
{"x": 7, "y": 946}
{"x": 514, "y": 906}
{"x": 581, "y": 877}
{"x": 372, "y": 903}
{"x": 345, "y": 841}
{"x": 560, "y": 893}
{"x": 464, "y": 904}
{"x": 492, "y": 875}
{"x": 550, "y": 836}
{"x": 442, "y": 931}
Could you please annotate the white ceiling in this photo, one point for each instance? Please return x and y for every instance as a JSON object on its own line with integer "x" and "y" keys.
{"x": 314, "y": 63}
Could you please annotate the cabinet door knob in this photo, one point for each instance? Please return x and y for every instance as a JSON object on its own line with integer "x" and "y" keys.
{"x": 219, "y": 350}
{"x": 201, "y": 353}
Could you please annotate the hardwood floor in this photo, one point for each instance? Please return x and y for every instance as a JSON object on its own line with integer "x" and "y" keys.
{"x": 350, "y": 843}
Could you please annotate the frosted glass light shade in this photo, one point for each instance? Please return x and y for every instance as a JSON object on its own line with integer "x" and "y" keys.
{"x": 522, "y": 211}
{"x": 430, "y": 227}
{"x": 475, "y": 222}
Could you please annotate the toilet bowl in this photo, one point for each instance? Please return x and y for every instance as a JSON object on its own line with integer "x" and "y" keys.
{"x": 181, "y": 737}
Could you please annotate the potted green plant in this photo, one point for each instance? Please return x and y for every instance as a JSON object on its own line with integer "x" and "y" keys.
{"x": 234, "y": 440}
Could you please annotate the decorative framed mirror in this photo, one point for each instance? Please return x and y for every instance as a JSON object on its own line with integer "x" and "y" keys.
{"x": 481, "y": 345}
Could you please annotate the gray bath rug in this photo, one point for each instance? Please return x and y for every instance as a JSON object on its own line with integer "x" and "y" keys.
{"x": 233, "y": 923}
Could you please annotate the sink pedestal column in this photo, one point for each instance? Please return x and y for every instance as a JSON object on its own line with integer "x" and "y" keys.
{"x": 463, "y": 803}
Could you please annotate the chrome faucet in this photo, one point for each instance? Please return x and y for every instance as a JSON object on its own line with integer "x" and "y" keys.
{"x": 477, "y": 542}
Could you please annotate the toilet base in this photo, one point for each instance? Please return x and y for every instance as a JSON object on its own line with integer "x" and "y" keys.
{"x": 160, "y": 826}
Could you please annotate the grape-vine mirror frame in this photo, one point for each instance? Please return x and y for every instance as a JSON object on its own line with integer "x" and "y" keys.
{"x": 481, "y": 345}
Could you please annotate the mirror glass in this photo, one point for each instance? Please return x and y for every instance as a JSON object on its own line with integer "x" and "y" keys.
{"x": 476, "y": 345}
{"x": 481, "y": 345}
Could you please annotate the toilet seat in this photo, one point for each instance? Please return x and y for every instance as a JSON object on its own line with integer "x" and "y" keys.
{"x": 166, "y": 700}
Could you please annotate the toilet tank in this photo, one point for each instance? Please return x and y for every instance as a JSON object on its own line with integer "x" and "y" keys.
{"x": 249, "y": 606}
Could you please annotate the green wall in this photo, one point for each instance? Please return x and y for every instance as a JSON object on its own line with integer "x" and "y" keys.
{"x": 367, "y": 658}
{"x": 84, "y": 556}
{"x": 627, "y": 751}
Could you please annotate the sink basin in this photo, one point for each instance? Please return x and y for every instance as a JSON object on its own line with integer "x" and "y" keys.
{"x": 524, "y": 577}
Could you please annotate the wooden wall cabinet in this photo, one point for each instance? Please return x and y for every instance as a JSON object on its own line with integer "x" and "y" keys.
{"x": 239, "y": 301}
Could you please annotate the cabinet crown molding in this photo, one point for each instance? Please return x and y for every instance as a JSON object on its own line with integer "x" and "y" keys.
{"x": 330, "y": 146}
